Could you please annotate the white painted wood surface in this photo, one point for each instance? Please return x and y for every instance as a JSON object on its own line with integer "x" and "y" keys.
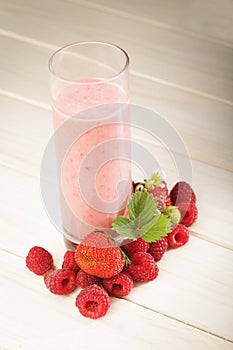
{"x": 181, "y": 53}
{"x": 162, "y": 54}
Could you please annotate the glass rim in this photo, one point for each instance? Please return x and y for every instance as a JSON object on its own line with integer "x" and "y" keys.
{"x": 77, "y": 43}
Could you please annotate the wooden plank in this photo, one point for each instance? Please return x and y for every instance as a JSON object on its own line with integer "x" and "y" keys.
{"x": 210, "y": 20}
{"x": 161, "y": 55}
{"x": 195, "y": 118}
{"x": 24, "y": 322}
{"x": 24, "y": 133}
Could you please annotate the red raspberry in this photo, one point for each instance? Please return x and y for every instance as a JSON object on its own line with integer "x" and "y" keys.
{"x": 158, "y": 248}
{"x": 178, "y": 237}
{"x": 119, "y": 285}
{"x": 143, "y": 268}
{"x": 61, "y": 281}
{"x": 182, "y": 192}
{"x": 47, "y": 277}
{"x": 69, "y": 261}
{"x": 136, "y": 246}
{"x": 93, "y": 301}
{"x": 85, "y": 279}
{"x": 39, "y": 260}
{"x": 188, "y": 213}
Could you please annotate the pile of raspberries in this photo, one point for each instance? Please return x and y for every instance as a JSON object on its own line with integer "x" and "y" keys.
{"x": 93, "y": 300}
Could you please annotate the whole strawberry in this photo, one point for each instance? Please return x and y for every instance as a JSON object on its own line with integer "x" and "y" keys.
{"x": 98, "y": 255}
{"x": 158, "y": 188}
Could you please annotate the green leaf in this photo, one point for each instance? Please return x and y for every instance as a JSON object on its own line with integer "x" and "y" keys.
{"x": 161, "y": 227}
{"x": 145, "y": 220}
{"x": 142, "y": 206}
{"x": 124, "y": 226}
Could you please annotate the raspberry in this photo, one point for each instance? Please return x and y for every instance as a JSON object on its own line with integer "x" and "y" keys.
{"x": 136, "y": 246}
{"x": 188, "y": 213}
{"x": 119, "y": 285}
{"x": 85, "y": 279}
{"x": 143, "y": 268}
{"x": 39, "y": 260}
{"x": 158, "y": 248}
{"x": 182, "y": 192}
{"x": 61, "y": 281}
{"x": 47, "y": 277}
{"x": 93, "y": 302}
{"x": 69, "y": 261}
{"x": 178, "y": 236}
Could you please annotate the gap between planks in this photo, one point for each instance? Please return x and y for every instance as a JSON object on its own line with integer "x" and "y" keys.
{"x": 39, "y": 43}
{"x": 183, "y": 322}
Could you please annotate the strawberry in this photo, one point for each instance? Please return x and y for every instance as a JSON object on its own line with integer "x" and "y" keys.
{"x": 98, "y": 255}
{"x": 158, "y": 188}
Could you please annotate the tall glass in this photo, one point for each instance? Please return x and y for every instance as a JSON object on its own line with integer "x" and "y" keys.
{"x": 90, "y": 95}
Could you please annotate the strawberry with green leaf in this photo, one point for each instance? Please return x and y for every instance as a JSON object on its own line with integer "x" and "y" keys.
{"x": 158, "y": 188}
{"x": 98, "y": 253}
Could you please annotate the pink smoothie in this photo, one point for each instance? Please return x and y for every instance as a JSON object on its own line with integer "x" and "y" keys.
{"x": 95, "y": 182}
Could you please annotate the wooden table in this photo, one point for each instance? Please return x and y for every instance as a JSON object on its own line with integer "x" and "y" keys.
{"x": 181, "y": 66}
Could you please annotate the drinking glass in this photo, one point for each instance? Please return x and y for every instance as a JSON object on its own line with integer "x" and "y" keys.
{"x": 90, "y": 96}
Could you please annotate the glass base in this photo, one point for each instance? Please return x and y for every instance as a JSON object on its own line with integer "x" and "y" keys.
{"x": 69, "y": 244}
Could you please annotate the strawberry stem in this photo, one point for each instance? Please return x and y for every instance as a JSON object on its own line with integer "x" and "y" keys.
{"x": 155, "y": 180}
